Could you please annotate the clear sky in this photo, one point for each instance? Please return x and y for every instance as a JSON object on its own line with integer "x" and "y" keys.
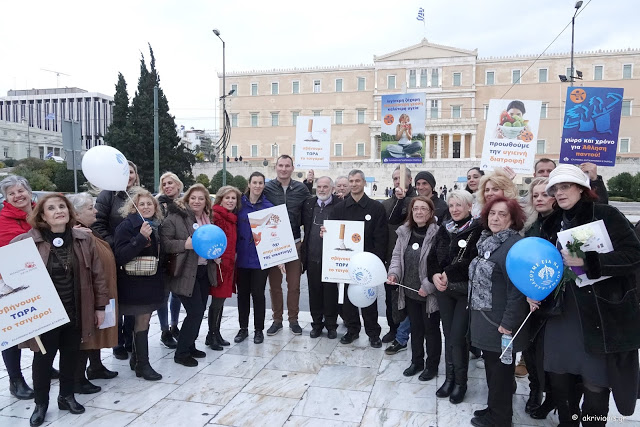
{"x": 93, "y": 41}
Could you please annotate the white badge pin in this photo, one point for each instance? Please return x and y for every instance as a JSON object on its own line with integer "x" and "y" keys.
{"x": 195, "y": 226}
{"x": 367, "y": 217}
{"x": 462, "y": 243}
{"x": 57, "y": 242}
{"x": 415, "y": 246}
{"x": 487, "y": 254}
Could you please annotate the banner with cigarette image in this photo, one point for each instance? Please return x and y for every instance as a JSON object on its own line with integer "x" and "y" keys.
{"x": 29, "y": 302}
{"x": 402, "y": 131}
{"x": 511, "y": 135}
{"x": 313, "y": 142}
{"x": 342, "y": 240}
{"x": 272, "y": 235}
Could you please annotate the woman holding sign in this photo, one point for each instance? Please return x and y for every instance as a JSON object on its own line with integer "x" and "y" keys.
{"x": 409, "y": 266}
{"x": 75, "y": 268}
{"x": 191, "y": 276}
{"x": 595, "y": 332}
{"x": 497, "y": 308}
{"x": 140, "y": 284}
{"x": 252, "y": 280}
{"x": 13, "y": 222}
{"x": 225, "y": 208}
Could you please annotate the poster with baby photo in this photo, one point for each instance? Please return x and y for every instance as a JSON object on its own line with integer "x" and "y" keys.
{"x": 511, "y": 135}
{"x": 403, "y": 128}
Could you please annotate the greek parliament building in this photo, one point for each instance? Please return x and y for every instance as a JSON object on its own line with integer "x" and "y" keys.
{"x": 30, "y": 120}
{"x": 458, "y": 84}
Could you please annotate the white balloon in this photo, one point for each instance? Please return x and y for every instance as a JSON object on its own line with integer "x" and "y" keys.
{"x": 106, "y": 168}
{"x": 362, "y": 296}
{"x": 367, "y": 269}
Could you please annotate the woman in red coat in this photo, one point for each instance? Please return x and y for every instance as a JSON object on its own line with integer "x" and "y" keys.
{"x": 225, "y": 208}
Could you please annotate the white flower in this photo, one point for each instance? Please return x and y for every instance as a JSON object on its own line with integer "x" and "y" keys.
{"x": 582, "y": 235}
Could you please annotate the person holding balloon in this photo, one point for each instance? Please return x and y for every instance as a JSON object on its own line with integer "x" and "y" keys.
{"x": 597, "y": 324}
{"x": 108, "y": 204}
{"x": 193, "y": 275}
{"x": 409, "y": 266}
{"x": 140, "y": 282}
{"x": 225, "y": 208}
{"x": 497, "y": 308}
{"x": 448, "y": 264}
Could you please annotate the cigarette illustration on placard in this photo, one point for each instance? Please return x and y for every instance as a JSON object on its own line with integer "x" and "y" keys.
{"x": 341, "y": 241}
{"x": 8, "y": 290}
{"x": 310, "y": 138}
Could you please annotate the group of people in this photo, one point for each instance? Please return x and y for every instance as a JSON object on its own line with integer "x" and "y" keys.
{"x": 448, "y": 256}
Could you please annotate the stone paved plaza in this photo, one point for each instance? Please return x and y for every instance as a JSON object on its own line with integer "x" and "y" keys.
{"x": 286, "y": 381}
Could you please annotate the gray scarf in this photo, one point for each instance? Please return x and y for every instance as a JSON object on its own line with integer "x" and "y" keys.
{"x": 481, "y": 269}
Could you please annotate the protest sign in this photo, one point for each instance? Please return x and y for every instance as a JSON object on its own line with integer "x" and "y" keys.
{"x": 341, "y": 241}
{"x": 591, "y": 124}
{"x": 510, "y": 137}
{"x": 29, "y": 302}
{"x": 403, "y": 128}
{"x": 272, "y": 235}
{"x": 313, "y": 142}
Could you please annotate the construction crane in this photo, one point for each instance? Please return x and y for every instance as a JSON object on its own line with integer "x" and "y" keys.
{"x": 57, "y": 75}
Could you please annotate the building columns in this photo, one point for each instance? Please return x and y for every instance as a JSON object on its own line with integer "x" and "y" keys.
{"x": 427, "y": 146}
{"x": 439, "y": 146}
{"x": 450, "y": 155}
{"x": 463, "y": 137}
{"x": 374, "y": 148}
{"x": 472, "y": 147}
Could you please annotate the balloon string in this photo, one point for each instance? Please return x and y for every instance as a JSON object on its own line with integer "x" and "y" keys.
{"x": 134, "y": 205}
{"x": 406, "y": 287}
{"x": 517, "y": 332}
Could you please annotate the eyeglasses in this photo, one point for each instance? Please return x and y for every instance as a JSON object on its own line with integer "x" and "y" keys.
{"x": 420, "y": 209}
{"x": 565, "y": 186}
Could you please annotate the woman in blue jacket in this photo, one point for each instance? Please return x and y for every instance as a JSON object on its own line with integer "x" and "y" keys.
{"x": 251, "y": 279}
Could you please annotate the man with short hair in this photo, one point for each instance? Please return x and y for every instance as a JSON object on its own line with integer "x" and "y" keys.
{"x": 284, "y": 190}
{"x": 323, "y": 296}
{"x": 359, "y": 207}
{"x": 342, "y": 187}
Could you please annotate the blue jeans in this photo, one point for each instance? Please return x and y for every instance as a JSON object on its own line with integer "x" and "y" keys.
{"x": 402, "y": 334}
{"x": 163, "y": 313}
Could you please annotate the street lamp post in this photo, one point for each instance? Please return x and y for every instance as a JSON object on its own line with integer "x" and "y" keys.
{"x": 224, "y": 109}
{"x": 573, "y": 22}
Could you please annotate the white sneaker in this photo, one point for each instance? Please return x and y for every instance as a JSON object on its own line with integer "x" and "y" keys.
{"x": 480, "y": 363}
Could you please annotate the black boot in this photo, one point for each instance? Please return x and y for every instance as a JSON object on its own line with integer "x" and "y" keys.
{"x": 209, "y": 338}
{"x": 216, "y": 331}
{"x": 69, "y": 403}
{"x": 534, "y": 401}
{"x": 132, "y": 359}
{"x": 175, "y": 331}
{"x": 595, "y": 406}
{"x": 143, "y": 368}
{"x": 39, "y": 412}
{"x": 461, "y": 365}
{"x": 447, "y": 386}
{"x": 214, "y": 315}
{"x": 20, "y": 390}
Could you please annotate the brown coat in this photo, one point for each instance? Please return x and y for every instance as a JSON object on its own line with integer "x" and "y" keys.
{"x": 91, "y": 276}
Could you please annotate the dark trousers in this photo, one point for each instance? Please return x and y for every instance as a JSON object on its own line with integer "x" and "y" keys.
{"x": 500, "y": 384}
{"x": 195, "y": 305}
{"x": 65, "y": 338}
{"x": 351, "y": 317}
{"x": 323, "y": 298}
{"x": 534, "y": 359}
{"x": 125, "y": 331}
{"x": 424, "y": 327}
{"x": 251, "y": 285}
{"x": 11, "y": 357}
{"x": 388, "y": 294}
{"x": 455, "y": 322}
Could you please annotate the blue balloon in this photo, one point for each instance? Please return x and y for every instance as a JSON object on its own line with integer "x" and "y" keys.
{"x": 535, "y": 267}
{"x": 209, "y": 241}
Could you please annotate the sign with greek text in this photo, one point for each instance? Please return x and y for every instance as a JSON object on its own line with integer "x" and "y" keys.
{"x": 591, "y": 125}
{"x": 403, "y": 128}
{"x": 510, "y": 136}
{"x": 342, "y": 240}
{"x": 29, "y": 302}
{"x": 272, "y": 235}
{"x": 313, "y": 142}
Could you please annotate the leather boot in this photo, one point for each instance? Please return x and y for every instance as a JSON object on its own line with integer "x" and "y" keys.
{"x": 214, "y": 315}
{"x": 143, "y": 368}
{"x": 39, "y": 412}
{"x": 132, "y": 359}
{"x": 534, "y": 401}
{"x": 447, "y": 386}
{"x": 20, "y": 390}
{"x": 595, "y": 406}
{"x": 69, "y": 403}
{"x": 461, "y": 365}
{"x": 216, "y": 330}
{"x": 209, "y": 338}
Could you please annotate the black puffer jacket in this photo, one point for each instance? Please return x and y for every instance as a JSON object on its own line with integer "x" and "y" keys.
{"x": 108, "y": 218}
{"x": 296, "y": 194}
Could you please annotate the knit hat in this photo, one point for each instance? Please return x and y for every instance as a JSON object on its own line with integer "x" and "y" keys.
{"x": 427, "y": 176}
{"x": 568, "y": 173}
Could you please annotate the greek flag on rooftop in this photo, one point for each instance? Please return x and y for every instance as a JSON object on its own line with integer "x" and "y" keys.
{"x": 50, "y": 116}
{"x": 420, "y": 16}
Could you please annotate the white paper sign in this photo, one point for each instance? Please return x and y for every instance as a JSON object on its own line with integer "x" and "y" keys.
{"x": 342, "y": 240}
{"x": 272, "y": 236}
{"x": 109, "y": 315}
{"x": 598, "y": 241}
{"x": 313, "y": 142}
{"x": 510, "y": 137}
{"x": 29, "y": 302}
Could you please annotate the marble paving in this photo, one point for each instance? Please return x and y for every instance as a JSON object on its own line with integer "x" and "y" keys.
{"x": 288, "y": 380}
